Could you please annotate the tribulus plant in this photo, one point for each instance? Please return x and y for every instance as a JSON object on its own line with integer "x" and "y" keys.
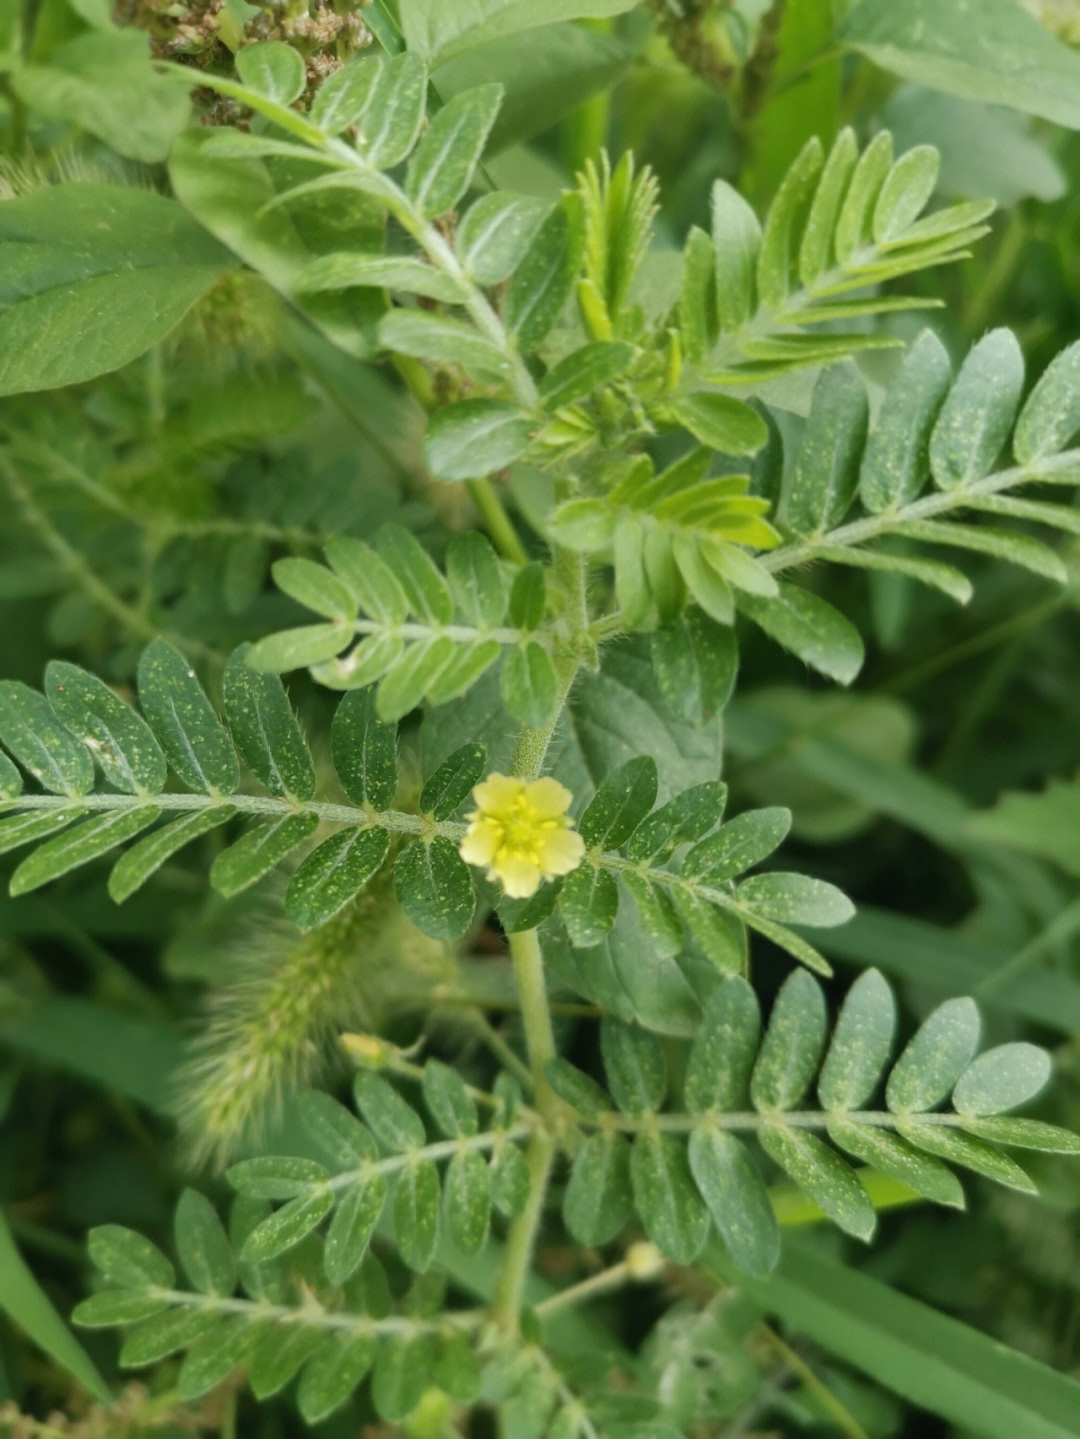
{"x": 472, "y": 971}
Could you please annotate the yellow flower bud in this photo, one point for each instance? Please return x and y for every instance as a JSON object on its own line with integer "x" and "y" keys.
{"x": 521, "y": 832}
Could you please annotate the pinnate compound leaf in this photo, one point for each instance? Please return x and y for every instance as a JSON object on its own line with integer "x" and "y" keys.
{"x": 116, "y": 1306}
{"x": 449, "y": 1101}
{"x": 351, "y": 1228}
{"x": 978, "y": 413}
{"x": 216, "y": 1353}
{"x": 203, "y": 1246}
{"x": 597, "y": 1204}
{"x": 335, "y": 1130}
{"x": 588, "y": 903}
{"x": 136, "y": 865}
{"x": 259, "y": 851}
{"x": 279, "y": 1356}
{"x": 78, "y": 845}
{"x": 896, "y": 461}
{"x": 20, "y": 829}
{"x": 738, "y": 845}
{"x": 894, "y": 1156}
{"x": 394, "y": 1124}
{"x": 452, "y": 782}
{"x": 467, "y": 1200}
{"x": 434, "y": 888}
{"x": 477, "y": 583}
{"x": 695, "y": 661}
{"x": 529, "y": 685}
{"x": 364, "y": 751}
{"x": 442, "y": 166}
{"x": 276, "y": 1177}
{"x": 861, "y": 1042}
{"x": 736, "y": 1198}
{"x": 345, "y": 94}
{"x": 576, "y": 1088}
{"x": 474, "y": 437}
{"x": 737, "y": 239}
{"x": 634, "y": 1064}
{"x": 333, "y": 1373}
{"x": 265, "y": 730}
{"x": 826, "y": 470}
{"x": 1000, "y": 1079}
{"x": 118, "y": 739}
{"x": 272, "y": 69}
{"x": 416, "y": 1214}
{"x": 496, "y": 233}
{"x": 952, "y": 1144}
{"x": 721, "y": 422}
{"x": 822, "y": 1175}
{"x": 128, "y": 1259}
{"x": 935, "y": 1057}
{"x": 1024, "y": 1134}
{"x": 315, "y": 587}
{"x": 783, "y": 224}
{"x": 810, "y": 628}
{"x": 299, "y": 647}
{"x": 372, "y": 583}
{"x": 40, "y": 743}
{"x": 795, "y": 899}
{"x": 333, "y": 874}
{"x": 791, "y": 1050}
{"x": 391, "y": 119}
{"x": 623, "y": 799}
{"x": 286, "y": 1227}
{"x": 1051, "y": 414}
{"x": 178, "y": 711}
{"x": 724, "y": 1049}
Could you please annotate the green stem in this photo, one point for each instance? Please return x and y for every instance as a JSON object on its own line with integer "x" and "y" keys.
{"x": 497, "y": 522}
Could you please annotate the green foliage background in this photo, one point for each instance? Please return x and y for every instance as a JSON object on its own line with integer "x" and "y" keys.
{"x": 640, "y": 427}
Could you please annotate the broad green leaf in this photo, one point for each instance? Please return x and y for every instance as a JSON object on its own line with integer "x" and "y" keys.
{"x": 25, "y": 1302}
{"x": 391, "y": 119}
{"x": 892, "y": 1155}
{"x": 260, "y": 850}
{"x": 403, "y": 1371}
{"x": 509, "y": 1180}
{"x": 467, "y": 1200}
{"x": 333, "y": 1373}
{"x": 202, "y": 1245}
{"x": 117, "y": 738}
{"x": 297, "y": 648}
{"x": 41, "y": 744}
{"x": 496, "y": 233}
{"x": 273, "y": 69}
{"x": 588, "y": 903}
{"x": 277, "y": 1177}
{"x": 434, "y": 888}
{"x": 416, "y": 1214}
{"x": 443, "y": 340}
{"x": 860, "y": 1045}
{"x": 826, "y": 468}
{"x": 695, "y": 662}
{"x": 477, "y": 583}
{"x": 409, "y": 678}
{"x": 178, "y": 711}
{"x": 576, "y": 1088}
{"x": 467, "y": 664}
{"x": 928, "y": 572}
{"x": 474, "y": 437}
{"x": 934, "y": 1058}
{"x": 434, "y": 28}
{"x": 93, "y": 276}
{"x": 1016, "y": 62}
{"x": 427, "y": 592}
{"x": 442, "y": 167}
{"x": 964, "y": 1149}
{"x": 978, "y": 413}
{"x": 822, "y": 1175}
{"x": 528, "y": 684}
{"x": 623, "y": 799}
{"x": 543, "y": 280}
{"x": 721, "y": 422}
{"x": 286, "y": 1227}
{"x": 657, "y": 917}
{"x": 787, "y": 940}
{"x": 896, "y": 461}
{"x": 128, "y": 1259}
{"x": 736, "y": 234}
{"x": 783, "y": 225}
{"x": 1016, "y": 549}
{"x": 795, "y": 899}
{"x": 393, "y": 1122}
{"x": 689, "y": 816}
{"x": 335, "y": 1130}
{"x": 666, "y": 1198}
{"x": 136, "y": 865}
{"x": 634, "y": 1064}
{"x": 717, "y": 933}
{"x": 265, "y": 730}
{"x": 11, "y": 782}
{"x": 724, "y": 1050}
{"x": 1050, "y": 417}
{"x": 810, "y": 628}
{"x": 738, "y": 845}
{"x": 597, "y": 1202}
{"x": 364, "y": 751}
{"x": 315, "y": 587}
{"x": 528, "y": 596}
{"x": 736, "y": 1198}
{"x": 103, "y": 82}
{"x": 1001, "y": 1078}
{"x": 584, "y": 525}
{"x": 372, "y": 583}
{"x": 406, "y": 273}
{"x": 345, "y": 94}
{"x": 791, "y": 1050}
{"x": 333, "y": 874}
{"x": 84, "y": 842}
{"x": 854, "y": 221}
{"x": 449, "y": 1101}
{"x": 907, "y": 188}
{"x": 350, "y": 1230}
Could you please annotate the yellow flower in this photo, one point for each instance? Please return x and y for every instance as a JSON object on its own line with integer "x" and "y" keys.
{"x": 520, "y": 830}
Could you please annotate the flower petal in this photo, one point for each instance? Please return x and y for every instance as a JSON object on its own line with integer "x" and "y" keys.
{"x": 548, "y": 797}
{"x": 561, "y": 851}
{"x": 497, "y": 793}
{"x": 481, "y": 841}
{"x": 520, "y": 876}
